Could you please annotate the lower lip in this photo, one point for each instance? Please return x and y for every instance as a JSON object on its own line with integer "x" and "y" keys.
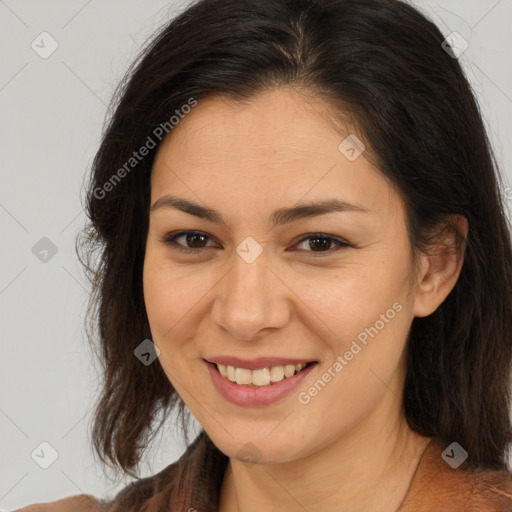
{"x": 248, "y": 396}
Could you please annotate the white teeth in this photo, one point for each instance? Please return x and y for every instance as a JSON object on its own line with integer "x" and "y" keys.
{"x": 276, "y": 373}
{"x": 223, "y": 370}
{"x": 243, "y": 376}
{"x": 261, "y": 376}
{"x": 289, "y": 370}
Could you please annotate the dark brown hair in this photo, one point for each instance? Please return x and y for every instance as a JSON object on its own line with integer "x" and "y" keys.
{"x": 383, "y": 61}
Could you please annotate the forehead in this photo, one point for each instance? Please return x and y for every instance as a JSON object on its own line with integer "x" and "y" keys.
{"x": 279, "y": 123}
{"x": 280, "y": 144}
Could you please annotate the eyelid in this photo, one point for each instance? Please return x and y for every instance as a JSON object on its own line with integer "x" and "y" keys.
{"x": 170, "y": 238}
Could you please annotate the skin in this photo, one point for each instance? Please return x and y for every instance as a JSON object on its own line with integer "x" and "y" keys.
{"x": 295, "y": 300}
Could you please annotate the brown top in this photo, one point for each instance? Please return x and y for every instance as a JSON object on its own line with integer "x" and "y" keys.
{"x": 194, "y": 483}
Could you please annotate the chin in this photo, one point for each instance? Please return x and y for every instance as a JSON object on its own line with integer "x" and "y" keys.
{"x": 259, "y": 448}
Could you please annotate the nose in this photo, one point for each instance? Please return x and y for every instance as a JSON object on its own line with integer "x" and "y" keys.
{"x": 251, "y": 300}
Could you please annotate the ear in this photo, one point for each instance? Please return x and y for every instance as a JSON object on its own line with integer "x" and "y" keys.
{"x": 440, "y": 269}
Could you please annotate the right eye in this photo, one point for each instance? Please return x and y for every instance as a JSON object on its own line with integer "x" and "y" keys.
{"x": 192, "y": 238}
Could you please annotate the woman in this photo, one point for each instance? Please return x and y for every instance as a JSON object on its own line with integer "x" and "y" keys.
{"x": 302, "y": 241}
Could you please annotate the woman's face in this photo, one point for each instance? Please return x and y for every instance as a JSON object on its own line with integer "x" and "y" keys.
{"x": 260, "y": 290}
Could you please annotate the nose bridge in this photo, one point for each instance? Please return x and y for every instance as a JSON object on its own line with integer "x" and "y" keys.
{"x": 250, "y": 299}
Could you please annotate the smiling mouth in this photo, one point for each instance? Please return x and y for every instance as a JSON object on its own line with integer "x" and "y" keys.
{"x": 261, "y": 376}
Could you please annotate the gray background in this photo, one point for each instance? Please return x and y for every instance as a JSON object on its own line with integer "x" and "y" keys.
{"x": 52, "y": 115}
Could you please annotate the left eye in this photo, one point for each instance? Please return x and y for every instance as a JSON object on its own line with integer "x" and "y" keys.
{"x": 196, "y": 241}
{"x": 323, "y": 242}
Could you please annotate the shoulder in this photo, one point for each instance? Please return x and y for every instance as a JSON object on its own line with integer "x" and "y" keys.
{"x": 78, "y": 503}
{"x": 437, "y": 485}
{"x": 192, "y": 482}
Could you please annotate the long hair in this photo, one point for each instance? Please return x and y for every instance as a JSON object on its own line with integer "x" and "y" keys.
{"x": 381, "y": 63}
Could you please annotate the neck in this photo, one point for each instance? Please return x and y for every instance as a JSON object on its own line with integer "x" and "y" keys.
{"x": 380, "y": 456}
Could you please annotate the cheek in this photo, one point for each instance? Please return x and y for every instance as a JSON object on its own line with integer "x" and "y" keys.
{"x": 161, "y": 292}
{"x": 350, "y": 298}
{"x": 365, "y": 322}
{"x": 165, "y": 306}
{"x": 366, "y": 315}
{"x": 176, "y": 296}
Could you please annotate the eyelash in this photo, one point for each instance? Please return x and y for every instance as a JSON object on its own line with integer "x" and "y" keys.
{"x": 170, "y": 241}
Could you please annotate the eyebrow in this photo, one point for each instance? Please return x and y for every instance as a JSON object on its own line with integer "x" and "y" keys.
{"x": 278, "y": 217}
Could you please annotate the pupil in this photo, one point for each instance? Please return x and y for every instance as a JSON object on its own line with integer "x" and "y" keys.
{"x": 324, "y": 242}
{"x": 194, "y": 236}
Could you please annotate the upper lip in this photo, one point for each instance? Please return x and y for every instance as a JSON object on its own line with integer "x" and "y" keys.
{"x": 259, "y": 362}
